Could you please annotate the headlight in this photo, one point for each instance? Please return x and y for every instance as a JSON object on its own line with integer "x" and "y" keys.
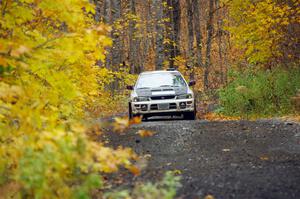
{"x": 140, "y": 99}
{"x": 186, "y": 96}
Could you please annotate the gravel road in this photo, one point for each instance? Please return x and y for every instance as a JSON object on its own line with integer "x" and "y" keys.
{"x": 234, "y": 159}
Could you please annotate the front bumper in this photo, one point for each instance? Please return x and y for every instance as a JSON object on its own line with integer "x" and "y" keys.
{"x": 162, "y": 106}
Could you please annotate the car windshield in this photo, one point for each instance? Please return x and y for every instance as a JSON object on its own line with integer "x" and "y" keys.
{"x": 155, "y": 80}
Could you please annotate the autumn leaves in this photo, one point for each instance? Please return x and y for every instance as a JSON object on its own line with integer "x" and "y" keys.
{"x": 49, "y": 84}
{"x": 122, "y": 124}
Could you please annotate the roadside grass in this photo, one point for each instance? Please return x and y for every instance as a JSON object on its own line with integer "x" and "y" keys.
{"x": 260, "y": 94}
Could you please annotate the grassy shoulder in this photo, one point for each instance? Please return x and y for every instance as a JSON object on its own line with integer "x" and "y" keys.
{"x": 260, "y": 94}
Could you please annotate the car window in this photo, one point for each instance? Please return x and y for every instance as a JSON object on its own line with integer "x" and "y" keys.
{"x": 155, "y": 80}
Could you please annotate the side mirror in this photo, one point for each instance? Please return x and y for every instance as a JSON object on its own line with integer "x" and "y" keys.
{"x": 129, "y": 87}
{"x": 192, "y": 83}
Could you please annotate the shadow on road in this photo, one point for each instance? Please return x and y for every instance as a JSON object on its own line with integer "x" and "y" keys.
{"x": 163, "y": 118}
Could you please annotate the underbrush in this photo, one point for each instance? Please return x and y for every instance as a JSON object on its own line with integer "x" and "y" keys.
{"x": 165, "y": 189}
{"x": 259, "y": 93}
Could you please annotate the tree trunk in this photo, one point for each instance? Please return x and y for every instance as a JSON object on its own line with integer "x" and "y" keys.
{"x": 198, "y": 33}
{"x": 146, "y": 32}
{"x": 116, "y": 49}
{"x": 190, "y": 63}
{"x": 159, "y": 39}
{"x": 99, "y": 10}
{"x": 168, "y": 33}
{"x": 176, "y": 26}
{"x": 172, "y": 29}
{"x": 220, "y": 42}
{"x": 108, "y": 20}
{"x": 209, "y": 27}
{"x": 133, "y": 43}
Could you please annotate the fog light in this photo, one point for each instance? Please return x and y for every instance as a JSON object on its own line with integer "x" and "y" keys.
{"x": 144, "y": 107}
{"x": 182, "y": 105}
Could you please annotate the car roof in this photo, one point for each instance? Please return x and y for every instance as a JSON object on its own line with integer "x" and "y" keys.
{"x": 159, "y": 71}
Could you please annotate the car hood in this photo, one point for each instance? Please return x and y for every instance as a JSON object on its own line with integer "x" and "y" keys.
{"x": 161, "y": 91}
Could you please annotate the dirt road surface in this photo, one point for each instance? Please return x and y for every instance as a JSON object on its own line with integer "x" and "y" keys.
{"x": 232, "y": 159}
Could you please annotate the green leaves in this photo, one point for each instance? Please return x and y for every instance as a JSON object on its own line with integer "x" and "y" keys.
{"x": 260, "y": 93}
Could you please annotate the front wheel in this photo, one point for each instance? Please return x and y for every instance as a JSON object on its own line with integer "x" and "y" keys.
{"x": 190, "y": 115}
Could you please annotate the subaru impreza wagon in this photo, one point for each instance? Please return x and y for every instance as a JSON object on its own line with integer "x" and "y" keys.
{"x": 160, "y": 93}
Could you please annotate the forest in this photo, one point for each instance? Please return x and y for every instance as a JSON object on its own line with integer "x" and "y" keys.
{"x": 66, "y": 63}
{"x": 212, "y": 42}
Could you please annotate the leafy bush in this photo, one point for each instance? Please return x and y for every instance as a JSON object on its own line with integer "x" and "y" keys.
{"x": 260, "y": 92}
{"x": 48, "y": 81}
{"x": 165, "y": 189}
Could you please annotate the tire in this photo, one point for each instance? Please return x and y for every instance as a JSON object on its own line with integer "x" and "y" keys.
{"x": 145, "y": 118}
{"x": 130, "y": 115}
{"x": 195, "y": 107}
{"x": 190, "y": 115}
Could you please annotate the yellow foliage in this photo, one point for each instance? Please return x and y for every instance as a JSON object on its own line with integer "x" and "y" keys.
{"x": 258, "y": 27}
{"x": 49, "y": 78}
{"x": 180, "y": 62}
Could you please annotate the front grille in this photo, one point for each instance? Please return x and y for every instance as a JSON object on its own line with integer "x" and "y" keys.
{"x": 163, "y": 97}
{"x": 172, "y": 106}
{"x": 153, "y": 107}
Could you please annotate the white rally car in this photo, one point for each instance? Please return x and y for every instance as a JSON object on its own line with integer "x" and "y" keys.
{"x": 159, "y": 93}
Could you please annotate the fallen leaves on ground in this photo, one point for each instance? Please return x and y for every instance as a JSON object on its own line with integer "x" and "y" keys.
{"x": 145, "y": 133}
{"x": 138, "y": 166}
{"x": 219, "y": 117}
{"x": 264, "y": 157}
{"x": 293, "y": 118}
{"x": 122, "y": 124}
{"x": 135, "y": 170}
{"x": 209, "y": 197}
